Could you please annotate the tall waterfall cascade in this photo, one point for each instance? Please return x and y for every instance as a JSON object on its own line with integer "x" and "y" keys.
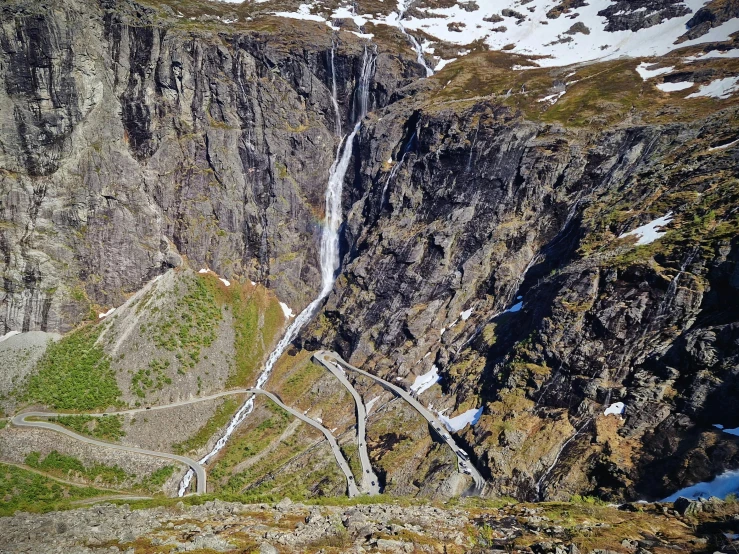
{"x": 329, "y": 250}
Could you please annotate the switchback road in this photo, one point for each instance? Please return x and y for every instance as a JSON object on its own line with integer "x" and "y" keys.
{"x": 463, "y": 458}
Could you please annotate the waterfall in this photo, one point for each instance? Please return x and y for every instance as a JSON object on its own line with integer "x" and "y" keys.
{"x": 329, "y": 258}
{"x": 402, "y": 8}
{"x": 335, "y": 102}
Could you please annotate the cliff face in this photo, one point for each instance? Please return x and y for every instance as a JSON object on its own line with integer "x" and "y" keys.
{"x": 127, "y": 144}
{"x": 491, "y": 249}
{"x": 483, "y": 235}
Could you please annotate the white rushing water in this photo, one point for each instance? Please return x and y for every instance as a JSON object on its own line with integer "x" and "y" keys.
{"x": 402, "y": 8}
{"x": 334, "y": 100}
{"x": 329, "y": 257}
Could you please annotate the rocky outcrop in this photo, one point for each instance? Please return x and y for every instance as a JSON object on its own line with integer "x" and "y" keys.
{"x": 129, "y": 141}
{"x": 488, "y": 246}
{"x": 295, "y": 527}
{"x": 633, "y": 16}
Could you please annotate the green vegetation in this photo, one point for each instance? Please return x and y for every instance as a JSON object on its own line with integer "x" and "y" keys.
{"x": 221, "y": 417}
{"x": 321, "y": 477}
{"x": 188, "y": 327}
{"x": 108, "y": 428}
{"x": 152, "y": 378}
{"x": 249, "y": 348}
{"x": 25, "y": 490}
{"x": 74, "y": 374}
{"x": 154, "y": 482}
{"x": 351, "y": 453}
{"x": 65, "y": 466}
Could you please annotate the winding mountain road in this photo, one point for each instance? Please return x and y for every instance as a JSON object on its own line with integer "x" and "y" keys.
{"x": 20, "y": 420}
{"x": 370, "y": 482}
{"x": 326, "y": 357}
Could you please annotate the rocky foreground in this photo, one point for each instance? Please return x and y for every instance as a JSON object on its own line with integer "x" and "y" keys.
{"x": 217, "y": 526}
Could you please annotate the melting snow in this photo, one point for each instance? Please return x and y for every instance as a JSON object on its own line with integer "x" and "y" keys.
{"x": 225, "y": 281}
{"x": 674, "y": 87}
{"x": 720, "y": 88}
{"x": 532, "y": 32}
{"x": 648, "y": 233}
{"x": 106, "y": 314}
{"x": 426, "y": 381}
{"x": 722, "y": 486}
{"x": 286, "y": 310}
{"x": 617, "y": 408}
{"x": 302, "y": 13}
{"x": 645, "y": 73}
{"x": 552, "y": 97}
{"x": 465, "y": 315}
{"x": 733, "y": 53}
{"x": 459, "y": 422}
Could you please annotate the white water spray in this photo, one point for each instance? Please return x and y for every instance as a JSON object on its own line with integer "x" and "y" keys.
{"x": 420, "y": 58}
{"x": 329, "y": 257}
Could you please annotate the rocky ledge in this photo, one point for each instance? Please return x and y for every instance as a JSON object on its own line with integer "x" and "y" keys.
{"x": 217, "y": 526}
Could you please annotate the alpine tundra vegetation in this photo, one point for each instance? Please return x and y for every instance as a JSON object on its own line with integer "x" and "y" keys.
{"x": 348, "y": 276}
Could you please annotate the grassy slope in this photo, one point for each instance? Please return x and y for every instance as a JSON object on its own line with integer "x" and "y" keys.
{"x": 25, "y": 490}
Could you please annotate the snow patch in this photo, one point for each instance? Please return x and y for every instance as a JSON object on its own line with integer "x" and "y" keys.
{"x": 465, "y": 315}
{"x": 719, "y": 88}
{"x": 286, "y": 310}
{"x": 552, "y": 98}
{"x": 302, "y": 13}
{"x": 454, "y": 424}
{"x": 722, "y": 486}
{"x": 203, "y": 271}
{"x": 674, "y": 87}
{"x": 515, "y": 308}
{"x": 645, "y": 73}
{"x": 649, "y": 232}
{"x": 617, "y": 408}
{"x": 426, "y": 381}
{"x": 225, "y": 281}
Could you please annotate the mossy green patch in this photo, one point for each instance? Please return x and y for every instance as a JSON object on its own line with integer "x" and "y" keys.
{"x": 74, "y": 374}
{"x": 65, "y": 466}
{"x": 25, "y": 490}
{"x": 105, "y": 427}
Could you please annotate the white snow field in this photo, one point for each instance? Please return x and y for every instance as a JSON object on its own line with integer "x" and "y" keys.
{"x": 527, "y": 28}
